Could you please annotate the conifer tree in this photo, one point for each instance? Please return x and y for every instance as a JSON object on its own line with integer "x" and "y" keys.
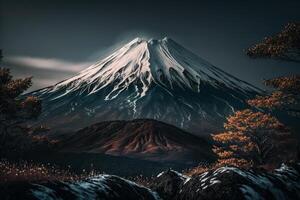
{"x": 14, "y": 109}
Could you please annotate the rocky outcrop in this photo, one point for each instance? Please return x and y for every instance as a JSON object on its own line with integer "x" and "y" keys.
{"x": 100, "y": 187}
{"x": 231, "y": 183}
{"x": 225, "y": 183}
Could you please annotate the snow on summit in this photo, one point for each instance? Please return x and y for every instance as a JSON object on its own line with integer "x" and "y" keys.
{"x": 149, "y": 61}
{"x": 137, "y": 81}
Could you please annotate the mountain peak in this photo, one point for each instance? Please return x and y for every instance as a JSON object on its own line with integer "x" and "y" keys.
{"x": 148, "y": 62}
{"x": 153, "y": 40}
{"x": 136, "y": 40}
{"x": 150, "y": 41}
{"x": 143, "y": 75}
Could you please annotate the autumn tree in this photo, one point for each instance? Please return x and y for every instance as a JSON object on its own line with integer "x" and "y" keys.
{"x": 14, "y": 109}
{"x": 284, "y": 45}
{"x": 285, "y": 97}
{"x": 250, "y": 139}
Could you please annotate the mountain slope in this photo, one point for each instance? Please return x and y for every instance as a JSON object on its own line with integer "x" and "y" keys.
{"x": 157, "y": 79}
{"x": 145, "y": 139}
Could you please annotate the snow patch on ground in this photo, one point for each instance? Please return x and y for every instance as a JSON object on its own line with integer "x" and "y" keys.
{"x": 86, "y": 189}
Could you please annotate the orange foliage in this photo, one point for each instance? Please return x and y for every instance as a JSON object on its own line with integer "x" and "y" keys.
{"x": 284, "y": 45}
{"x": 275, "y": 100}
{"x": 236, "y": 162}
{"x": 249, "y": 121}
{"x": 248, "y": 139}
{"x": 290, "y": 83}
{"x": 286, "y": 97}
{"x": 230, "y": 137}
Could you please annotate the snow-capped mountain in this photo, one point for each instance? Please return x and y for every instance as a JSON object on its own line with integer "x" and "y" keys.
{"x": 157, "y": 79}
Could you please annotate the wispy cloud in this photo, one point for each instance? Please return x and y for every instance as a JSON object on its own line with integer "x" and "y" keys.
{"x": 45, "y": 71}
{"x": 47, "y": 63}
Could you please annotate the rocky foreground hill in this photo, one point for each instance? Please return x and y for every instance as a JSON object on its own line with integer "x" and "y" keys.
{"x": 231, "y": 183}
{"x": 223, "y": 183}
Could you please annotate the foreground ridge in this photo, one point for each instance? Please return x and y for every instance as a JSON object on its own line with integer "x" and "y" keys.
{"x": 230, "y": 182}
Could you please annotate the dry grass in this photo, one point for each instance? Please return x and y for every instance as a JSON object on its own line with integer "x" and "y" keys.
{"x": 194, "y": 171}
{"x": 142, "y": 180}
{"x": 27, "y": 171}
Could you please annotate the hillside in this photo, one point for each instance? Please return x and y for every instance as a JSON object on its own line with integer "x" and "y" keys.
{"x": 143, "y": 138}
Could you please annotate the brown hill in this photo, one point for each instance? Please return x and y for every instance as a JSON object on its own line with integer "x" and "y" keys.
{"x": 143, "y": 138}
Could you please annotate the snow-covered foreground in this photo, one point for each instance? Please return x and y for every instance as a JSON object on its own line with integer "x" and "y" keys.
{"x": 227, "y": 183}
{"x": 232, "y": 183}
{"x": 99, "y": 187}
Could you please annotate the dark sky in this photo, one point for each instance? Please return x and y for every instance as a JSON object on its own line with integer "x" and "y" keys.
{"x": 52, "y": 40}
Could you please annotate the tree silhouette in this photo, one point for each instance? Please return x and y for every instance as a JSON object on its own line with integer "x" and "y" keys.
{"x": 250, "y": 139}
{"x": 14, "y": 109}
